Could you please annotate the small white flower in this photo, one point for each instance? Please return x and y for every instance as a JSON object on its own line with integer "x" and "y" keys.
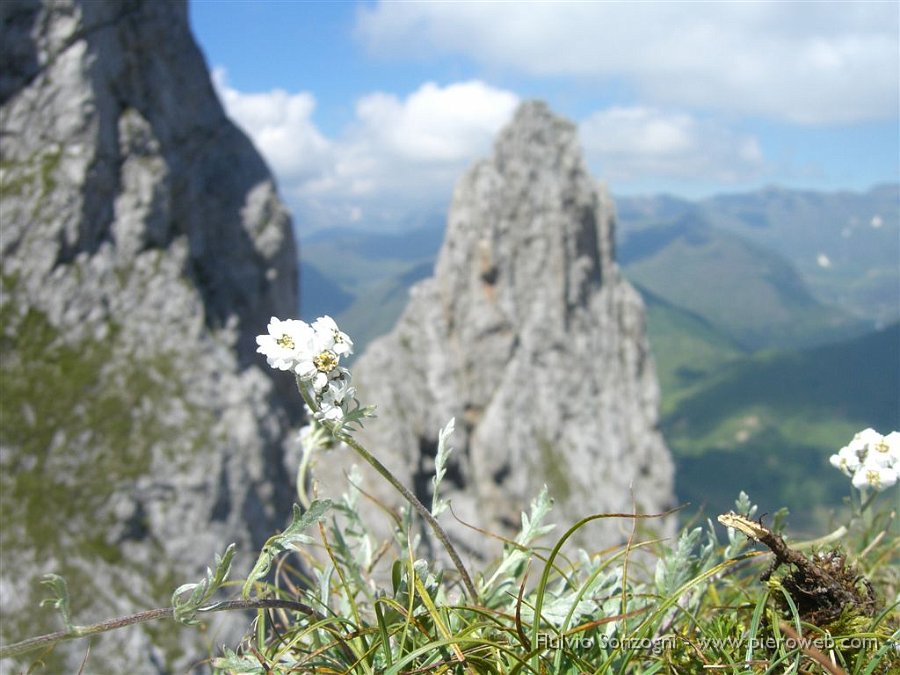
{"x": 337, "y": 397}
{"x": 888, "y": 447}
{"x": 314, "y": 353}
{"x": 330, "y": 413}
{"x": 284, "y": 345}
{"x": 870, "y": 459}
{"x": 332, "y": 338}
{"x": 318, "y": 365}
{"x": 847, "y": 460}
{"x": 318, "y": 361}
{"x": 865, "y": 439}
{"x": 879, "y": 455}
{"x": 878, "y": 477}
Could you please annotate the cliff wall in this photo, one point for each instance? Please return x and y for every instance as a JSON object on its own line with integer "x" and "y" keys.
{"x": 143, "y": 247}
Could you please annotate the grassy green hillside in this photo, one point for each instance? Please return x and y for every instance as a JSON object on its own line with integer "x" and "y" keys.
{"x": 321, "y": 293}
{"x": 769, "y": 421}
{"x": 376, "y": 309}
{"x": 688, "y": 350}
{"x": 748, "y": 293}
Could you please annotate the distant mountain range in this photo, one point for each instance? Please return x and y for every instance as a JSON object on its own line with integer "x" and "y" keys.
{"x": 748, "y": 292}
{"x": 845, "y": 246}
{"x": 772, "y": 317}
{"x": 362, "y": 278}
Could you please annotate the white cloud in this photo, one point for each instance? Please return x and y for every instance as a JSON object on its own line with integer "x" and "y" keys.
{"x": 281, "y": 127}
{"x": 434, "y": 124}
{"x": 806, "y": 62}
{"x": 398, "y": 154}
{"x": 638, "y": 143}
{"x": 414, "y": 148}
{"x": 405, "y": 154}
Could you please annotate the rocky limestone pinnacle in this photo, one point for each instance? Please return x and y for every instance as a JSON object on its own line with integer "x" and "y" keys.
{"x": 529, "y": 336}
{"x": 143, "y": 247}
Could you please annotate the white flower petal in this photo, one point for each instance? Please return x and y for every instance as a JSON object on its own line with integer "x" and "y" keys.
{"x": 840, "y": 462}
{"x": 879, "y": 478}
{"x": 285, "y": 342}
{"x": 893, "y": 443}
{"x": 320, "y": 381}
{"x": 330, "y": 337}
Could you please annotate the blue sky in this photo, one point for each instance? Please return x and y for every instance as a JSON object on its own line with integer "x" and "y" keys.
{"x": 369, "y": 112}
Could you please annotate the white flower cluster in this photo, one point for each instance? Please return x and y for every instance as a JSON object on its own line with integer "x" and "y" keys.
{"x": 870, "y": 459}
{"x": 313, "y": 353}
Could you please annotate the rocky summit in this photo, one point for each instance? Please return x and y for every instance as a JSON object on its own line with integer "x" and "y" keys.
{"x": 529, "y": 336}
{"x": 143, "y": 248}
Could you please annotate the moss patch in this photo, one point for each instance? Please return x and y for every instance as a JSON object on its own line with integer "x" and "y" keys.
{"x": 77, "y": 432}
{"x": 17, "y": 176}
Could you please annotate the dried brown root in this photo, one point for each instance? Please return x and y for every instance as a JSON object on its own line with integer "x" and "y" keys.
{"x": 824, "y": 588}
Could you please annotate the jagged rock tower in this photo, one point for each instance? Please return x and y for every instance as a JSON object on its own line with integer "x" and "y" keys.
{"x": 529, "y": 336}
{"x": 143, "y": 248}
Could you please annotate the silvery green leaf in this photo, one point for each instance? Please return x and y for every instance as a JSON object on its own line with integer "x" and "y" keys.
{"x": 60, "y": 600}
{"x": 557, "y": 607}
{"x": 779, "y": 520}
{"x": 438, "y": 505}
{"x": 531, "y": 526}
{"x": 743, "y": 506}
{"x": 736, "y": 541}
{"x": 239, "y": 665}
{"x": 291, "y": 538}
{"x": 185, "y": 608}
{"x": 355, "y": 417}
{"x": 325, "y": 584}
{"x": 303, "y": 519}
{"x": 514, "y": 557}
{"x": 674, "y": 569}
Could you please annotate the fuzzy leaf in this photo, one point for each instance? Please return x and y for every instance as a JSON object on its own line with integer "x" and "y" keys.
{"x": 291, "y": 538}
{"x": 239, "y": 665}
{"x": 60, "y": 600}
{"x": 185, "y": 608}
{"x": 438, "y": 505}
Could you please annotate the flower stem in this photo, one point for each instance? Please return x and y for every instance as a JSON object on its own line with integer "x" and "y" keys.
{"x": 31, "y": 644}
{"x": 419, "y": 506}
{"x": 843, "y": 529}
{"x": 402, "y": 489}
{"x": 301, "y": 476}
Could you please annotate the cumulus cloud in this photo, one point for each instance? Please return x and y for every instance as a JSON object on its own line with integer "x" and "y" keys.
{"x": 415, "y": 146}
{"x": 281, "y": 127}
{"x": 398, "y": 152}
{"x": 434, "y": 124}
{"x": 804, "y": 62}
{"x": 404, "y": 154}
{"x": 636, "y": 143}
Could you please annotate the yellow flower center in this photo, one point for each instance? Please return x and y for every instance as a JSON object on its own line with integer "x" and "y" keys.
{"x": 874, "y": 478}
{"x": 325, "y": 362}
{"x": 882, "y": 446}
{"x": 285, "y": 341}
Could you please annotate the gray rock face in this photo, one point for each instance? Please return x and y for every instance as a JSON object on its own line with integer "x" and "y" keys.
{"x": 143, "y": 247}
{"x": 528, "y": 335}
